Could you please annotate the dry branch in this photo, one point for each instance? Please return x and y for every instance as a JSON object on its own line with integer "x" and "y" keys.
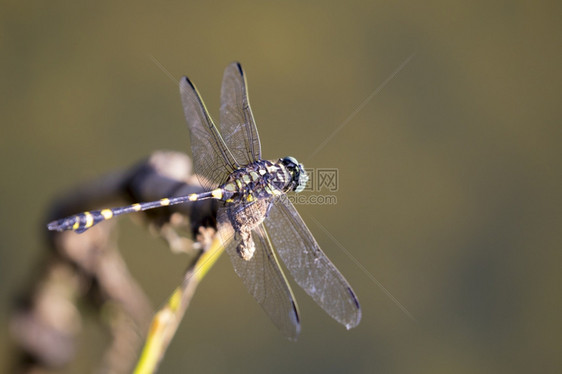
{"x": 88, "y": 268}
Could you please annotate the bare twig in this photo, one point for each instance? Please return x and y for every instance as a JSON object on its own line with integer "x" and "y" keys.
{"x": 89, "y": 267}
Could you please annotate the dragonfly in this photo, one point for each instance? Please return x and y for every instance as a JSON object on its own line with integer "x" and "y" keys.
{"x": 255, "y": 219}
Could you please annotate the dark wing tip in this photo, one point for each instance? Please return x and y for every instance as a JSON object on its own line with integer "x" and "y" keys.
{"x": 356, "y": 304}
{"x": 295, "y": 318}
{"x": 185, "y": 81}
{"x": 354, "y": 297}
{"x": 239, "y": 66}
{"x": 296, "y": 315}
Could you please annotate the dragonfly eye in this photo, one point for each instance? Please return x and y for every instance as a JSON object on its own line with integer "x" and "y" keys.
{"x": 300, "y": 177}
{"x": 290, "y": 162}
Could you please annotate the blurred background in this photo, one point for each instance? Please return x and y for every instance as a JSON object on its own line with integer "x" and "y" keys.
{"x": 443, "y": 120}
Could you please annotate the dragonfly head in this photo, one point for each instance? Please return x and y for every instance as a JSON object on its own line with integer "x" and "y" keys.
{"x": 298, "y": 174}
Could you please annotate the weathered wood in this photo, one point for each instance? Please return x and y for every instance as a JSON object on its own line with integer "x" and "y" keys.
{"x": 88, "y": 267}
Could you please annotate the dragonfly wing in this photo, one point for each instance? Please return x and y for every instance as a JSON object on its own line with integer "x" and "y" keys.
{"x": 308, "y": 265}
{"x": 236, "y": 119}
{"x": 212, "y": 159}
{"x": 263, "y": 277}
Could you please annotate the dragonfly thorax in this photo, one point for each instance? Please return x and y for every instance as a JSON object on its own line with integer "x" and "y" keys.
{"x": 263, "y": 179}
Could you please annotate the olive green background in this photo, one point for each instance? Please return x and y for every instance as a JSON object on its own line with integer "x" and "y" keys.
{"x": 449, "y": 178}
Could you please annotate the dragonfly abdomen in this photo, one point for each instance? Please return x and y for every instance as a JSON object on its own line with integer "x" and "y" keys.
{"x": 83, "y": 221}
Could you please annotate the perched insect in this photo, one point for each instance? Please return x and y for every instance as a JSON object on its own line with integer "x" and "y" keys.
{"x": 255, "y": 219}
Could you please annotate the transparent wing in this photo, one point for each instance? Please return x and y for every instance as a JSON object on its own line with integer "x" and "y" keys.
{"x": 308, "y": 265}
{"x": 236, "y": 119}
{"x": 263, "y": 277}
{"x": 211, "y": 157}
